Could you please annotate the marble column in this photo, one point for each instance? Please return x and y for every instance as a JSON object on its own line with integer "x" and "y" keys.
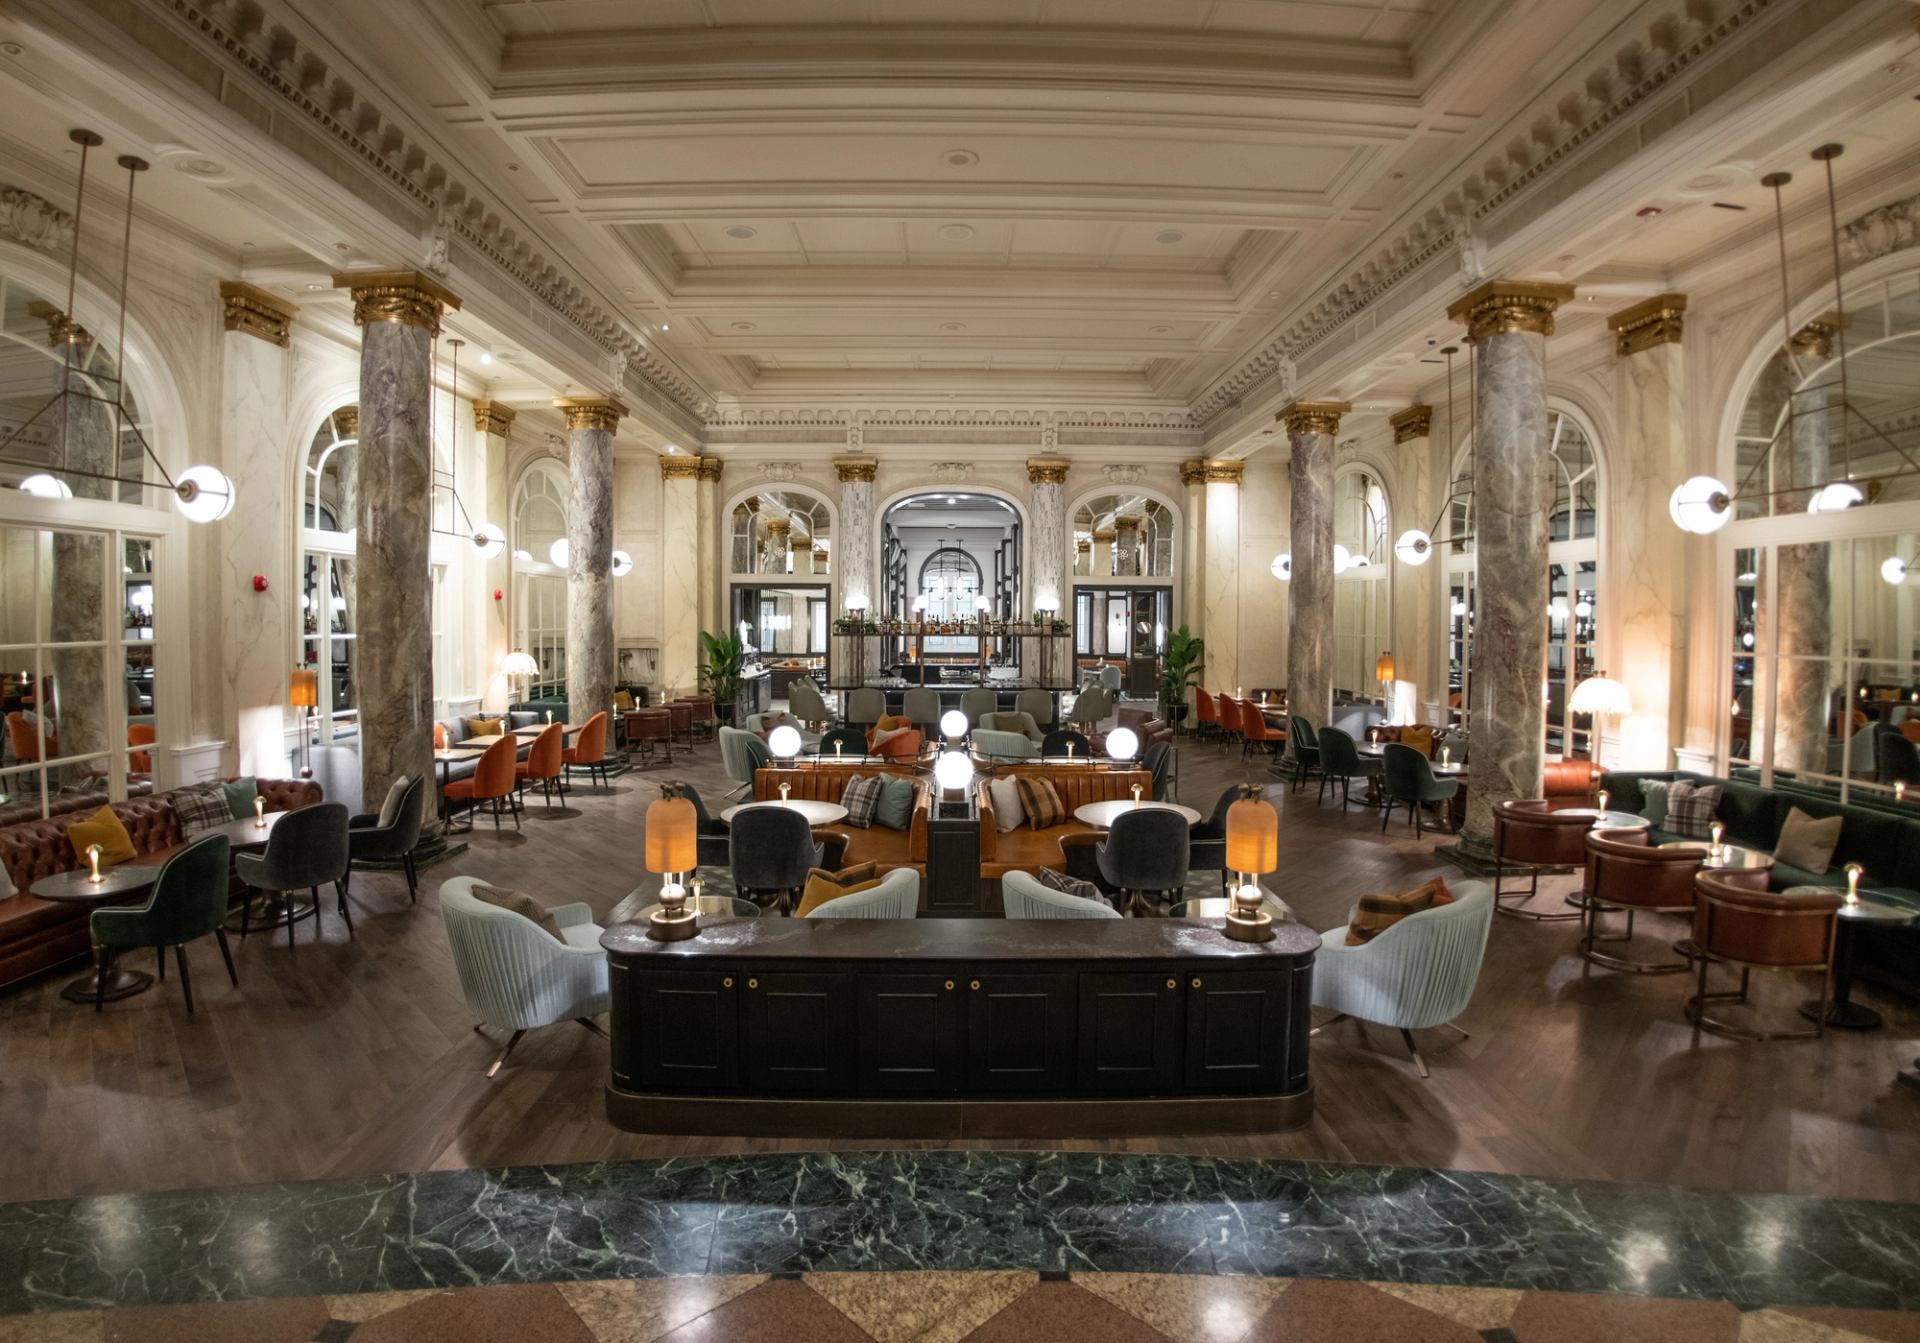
{"x": 1311, "y": 426}
{"x": 1193, "y": 556}
{"x": 591, "y": 421}
{"x": 398, "y": 313}
{"x": 680, "y": 624}
{"x": 1416, "y": 662}
{"x": 1509, "y": 322}
{"x": 493, "y": 426}
{"x": 1047, "y": 540}
{"x": 858, "y": 582}
{"x": 1647, "y": 559}
{"x": 1221, "y": 583}
{"x": 1126, "y": 545}
{"x": 779, "y": 544}
{"x": 255, "y": 641}
{"x": 1103, "y": 538}
{"x": 712, "y": 545}
{"x": 1803, "y": 581}
{"x": 81, "y": 435}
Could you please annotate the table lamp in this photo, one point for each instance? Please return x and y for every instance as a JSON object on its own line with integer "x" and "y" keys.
{"x": 259, "y": 811}
{"x": 784, "y": 742}
{"x": 93, "y": 862}
{"x": 303, "y": 693}
{"x": 1253, "y": 850}
{"x": 953, "y": 772}
{"x": 953, "y": 725}
{"x": 1122, "y": 744}
{"x": 1383, "y": 668}
{"x": 672, "y": 848}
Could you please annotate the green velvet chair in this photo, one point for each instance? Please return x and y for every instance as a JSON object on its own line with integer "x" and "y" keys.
{"x": 188, "y": 901}
{"x": 1408, "y": 778}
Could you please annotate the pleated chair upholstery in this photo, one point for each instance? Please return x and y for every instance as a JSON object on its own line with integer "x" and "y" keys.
{"x": 896, "y": 897}
{"x": 1418, "y": 973}
{"x": 515, "y": 976}
{"x": 1025, "y": 898}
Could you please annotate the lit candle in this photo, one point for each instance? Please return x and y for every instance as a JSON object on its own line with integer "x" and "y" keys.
{"x": 783, "y": 792}
{"x": 93, "y": 862}
{"x": 836, "y": 749}
{"x": 1136, "y": 794}
{"x": 1069, "y": 750}
{"x": 1716, "y": 830}
{"x": 1603, "y": 799}
{"x": 260, "y": 811}
{"x": 1900, "y": 790}
{"x": 1445, "y": 757}
{"x": 549, "y": 715}
{"x": 1854, "y": 873}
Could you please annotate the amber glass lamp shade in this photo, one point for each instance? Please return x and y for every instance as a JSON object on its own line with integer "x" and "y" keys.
{"x": 304, "y": 692}
{"x": 1253, "y": 836}
{"x": 1383, "y": 667}
{"x": 671, "y": 842}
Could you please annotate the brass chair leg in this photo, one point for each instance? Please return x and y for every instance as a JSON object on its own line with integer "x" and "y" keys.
{"x": 512, "y": 1040}
{"x": 1414, "y": 1049}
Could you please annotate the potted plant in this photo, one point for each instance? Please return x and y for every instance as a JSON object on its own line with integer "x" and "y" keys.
{"x": 1180, "y": 672}
{"x": 720, "y": 672}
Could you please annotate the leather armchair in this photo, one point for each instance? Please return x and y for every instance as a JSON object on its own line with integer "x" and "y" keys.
{"x": 1752, "y": 929}
{"x": 1529, "y": 834}
{"x": 1625, "y": 873}
{"x": 1568, "y": 783}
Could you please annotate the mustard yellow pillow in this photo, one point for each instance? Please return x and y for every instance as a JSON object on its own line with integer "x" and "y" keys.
{"x": 1419, "y": 738}
{"x": 486, "y": 727}
{"x": 622, "y": 700}
{"x": 102, "y": 828}
{"x": 823, "y": 887}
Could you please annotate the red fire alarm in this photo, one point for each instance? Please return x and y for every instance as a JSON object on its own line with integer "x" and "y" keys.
{"x": 259, "y": 582}
{"x": 498, "y": 594}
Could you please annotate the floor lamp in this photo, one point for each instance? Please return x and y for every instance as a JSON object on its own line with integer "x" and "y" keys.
{"x": 1600, "y": 697}
{"x": 304, "y": 694}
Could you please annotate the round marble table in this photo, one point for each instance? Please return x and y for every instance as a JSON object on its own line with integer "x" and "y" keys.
{"x": 1730, "y": 858}
{"x": 1100, "y": 814}
{"x": 1855, "y": 919}
{"x": 1609, "y": 820}
{"x": 115, "y": 884}
{"x": 817, "y": 813}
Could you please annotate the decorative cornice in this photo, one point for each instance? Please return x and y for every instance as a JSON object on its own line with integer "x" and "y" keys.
{"x": 1505, "y": 306}
{"x": 952, "y": 473}
{"x": 1815, "y": 339}
{"x": 252, "y": 311}
{"x": 1411, "y": 423}
{"x": 676, "y": 466}
{"x": 34, "y": 221}
{"x": 855, "y": 468}
{"x": 410, "y": 297}
{"x": 1048, "y": 470}
{"x": 1312, "y": 417}
{"x": 346, "y": 422}
{"x": 1216, "y": 470}
{"x": 492, "y": 417}
{"x": 592, "y": 412}
{"x": 710, "y": 468}
{"x": 1656, "y": 321}
{"x": 1884, "y": 229}
{"x": 1193, "y": 472}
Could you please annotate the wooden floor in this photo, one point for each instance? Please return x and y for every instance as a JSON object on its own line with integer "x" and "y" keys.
{"x": 349, "y": 1058}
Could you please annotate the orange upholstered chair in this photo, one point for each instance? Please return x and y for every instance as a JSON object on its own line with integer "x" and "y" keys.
{"x": 439, "y": 736}
{"x": 24, "y": 741}
{"x": 542, "y": 765}
{"x": 1254, "y": 731}
{"x": 1229, "y": 717}
{"x": 1205, "y": 716}
{"x": 589, "y": 749}
{"x": 140, "y": 734}
{"x": 491, "y": 780}
{"x": 1910, "y": 729}
{"x": 904, "y": 746}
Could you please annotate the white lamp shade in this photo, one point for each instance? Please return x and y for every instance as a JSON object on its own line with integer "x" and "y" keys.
{"x": 1601, "y": 695}
{"x": 43, "y": 486}
{"x": 1122, "y": 744}
{"x": 981, "y": 604}
{"x": 1700, "y": 504}
{"x": 920, "y": 602}
{"x": 489, "y": 540}
{"x": 1282, "y": 567}
{"x": 1342, "y": 558}
{"x": 953, "y": 724}
{"x": 560, "y": 552}
{"x": 519, "y": 663}
{"x": 953, "y": 771}
{"x": 622, "y": 564}
{"x": 784, "y": 741}
{"x": 1557, "y": 608}
{"x": 1414, "y": 547}
{"x": 1835, "y": 498}
{"x": 203, "y": 494}
{"x": 526, "y": 555}
{"x": 1894, "y": 570}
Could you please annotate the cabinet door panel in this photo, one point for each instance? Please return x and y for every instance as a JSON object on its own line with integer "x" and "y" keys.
{"x": 685, "y": 1030}
{"x": 800, "y": 1033}
{"x": 910, "y": 1032}
{"x": 1131, "y": 1033}
{"x": 1240, "y": 1029}
{"x": 1020, "y": 1034}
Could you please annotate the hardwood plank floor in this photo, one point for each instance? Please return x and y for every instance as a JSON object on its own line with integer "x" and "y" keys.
{"x": 347, "y": 1058}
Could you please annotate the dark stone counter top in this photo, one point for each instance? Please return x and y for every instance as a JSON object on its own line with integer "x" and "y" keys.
{"x": 964, "y": 940}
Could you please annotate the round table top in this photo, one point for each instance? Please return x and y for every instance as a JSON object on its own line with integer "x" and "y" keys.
{"x": 1101, "y": 814}
{"x": 709, "y": 907}
{"x": 1865, "y": 910}
{"x": 1730, "y": 855}
{"x": 246, "y": 832}
{"x": 817, "y": 813}
{"x": 1609, "y": 820}
{"x": 76, "y": 889}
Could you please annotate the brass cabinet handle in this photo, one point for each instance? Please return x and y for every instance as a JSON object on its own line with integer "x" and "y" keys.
{"x": 974, "y": 985}
{"x": 949, "y": 983}
{"x": 754, "y": 983}
{"x": 1196, "y": 981}
{"x": 1171, "y": 983}
{"x": 727, "y": 983}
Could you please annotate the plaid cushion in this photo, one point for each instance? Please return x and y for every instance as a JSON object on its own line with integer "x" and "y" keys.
{"x": 1690, "y": 809}
{"x": 200, "y": 807}
{"x": 1377, "y": 913}
{"x": 1066, "y": 885}
{"x": 862, "y": 799}
{"x": 1040, "y": 802}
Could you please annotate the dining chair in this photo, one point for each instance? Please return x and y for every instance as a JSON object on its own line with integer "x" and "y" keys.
{"x": 1057, "y": 741}
{"x": 1206, "y": 717}
{"x": 1042, "y": 705}
{"x": 1303, "y": 746}
{"x": 713, "y": 837}
{"x": 773, "y": 848}
{"x": 188, "y": 900}
{"x": 368, "y": 839}
{"x": 1145, "y": 854}
{"x": 307, "y": 846}
{"x": 1255, "y": 735}
{"x": 922, "y": 708}
{"x": 1228, "y": 709}
{"x": 1341, "y": 763}
{"x": 843, "y": 741}
{"x": 589, "y": 750}
{"x": 865, "y": 705}
{"x": 742, "y": 754}
{"x": 491, "y": 781}
{"x": 1207, "y": 841}
{"x": 977, "y": 703}
{"x": 1407, "y": 777}
{"x": 542, "y": 765}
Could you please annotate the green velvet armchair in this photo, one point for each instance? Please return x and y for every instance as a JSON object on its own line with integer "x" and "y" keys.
{"x": 188, "y": 901}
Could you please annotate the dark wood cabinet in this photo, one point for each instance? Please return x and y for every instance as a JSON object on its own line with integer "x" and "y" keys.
{"x": 1239, "y": 1031}
{"x": 1020, "y": 1031}
{"x": 798, "y": 1027}
{"x": 911, "y": 1035}
{"x": 1130, "y": 1033}
{"x": 678, "y": 1031}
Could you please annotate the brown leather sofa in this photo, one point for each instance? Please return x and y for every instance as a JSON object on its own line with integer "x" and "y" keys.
{"x": 877, "y": 844}
{"x": 1025, "y": 849}
{"x": 1569, "y": 783}
{"x": 1145, "y": 726}
{"x": 37, "y": 934}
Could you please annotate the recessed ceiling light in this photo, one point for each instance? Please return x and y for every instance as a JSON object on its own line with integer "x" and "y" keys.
{"x": 485, "y": 358}
{"x": 1169, "y": 235}
{"x": 740, "y": 231}
{"x": 316, "y": 286}
{"x": 673, "y": 447}
{"x": 952, "y": 500}
{"x": 513, "y": 167}
{"x": 953, "y": 326}
{"x": 1160, "y": 329}
{"x": 955, "y": 232}
{"x": 665, "y": 327}
{"x": 744, "y": 326}
{"x": 960, "y": 158}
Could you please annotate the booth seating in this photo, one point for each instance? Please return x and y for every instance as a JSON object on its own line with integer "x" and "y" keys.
{"x": 1028, "y": 850}
{"x": 454, "y": 731}
{"x": 37, "y": 934}
{"x": 887, "y": 848}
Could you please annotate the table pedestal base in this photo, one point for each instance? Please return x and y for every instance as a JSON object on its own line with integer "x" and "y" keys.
{"x": 1848, "y": 1016}
{"x": 271, "y": 910}
{"x": 121, "y": 983}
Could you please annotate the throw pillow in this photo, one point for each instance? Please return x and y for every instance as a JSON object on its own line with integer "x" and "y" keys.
{"x": 1419, "y": 738}
{"x": 200, "y": 807}
{"x": 823, "y": 887}
{"x": 1690, "y": 809}
{"x": 1007, "y": 812}
{"x": 1654, "y": 806}
{"x": 1805, "y": 842}
{"x": 102, "y": 828}
{"x": 880, "y": 736}
{"x": 895, "y": 811}
{"x": 861, "y": 798}
{"x": 623, "y": 700}
{"x": 1377, "y": 913}
{"x": 240, "y": 796}
{"x": 1041, "y": 802}
{"x": 518, "y": 902}
{"x": 1066, "y": 885}
{"x": 891, "y": 722}
{"x": 485, "y": 727}
{"x": 396, "y": 791}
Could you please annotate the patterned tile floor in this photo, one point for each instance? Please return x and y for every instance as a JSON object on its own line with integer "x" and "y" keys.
{"x": 947, "y": 1307}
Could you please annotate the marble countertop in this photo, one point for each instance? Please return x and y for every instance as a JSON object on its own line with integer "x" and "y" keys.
{"x": 963, "y": 940}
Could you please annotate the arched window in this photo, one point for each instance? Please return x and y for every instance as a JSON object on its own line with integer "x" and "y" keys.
{"x": 328, "y": 500}
{"x": 540, "y": 573}
{"x": 1124, "y": 535}
{"x": 950, "y": 581}
{"x": 1362, "y": 592}
{"x": 781, "y": 532}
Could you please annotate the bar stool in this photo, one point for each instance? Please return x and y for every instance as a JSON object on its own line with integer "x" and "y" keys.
{"x": 1526, "y": 834}
{"x": 1736, "y": 925}
{"x": 680, "y": 714}
{"x": 645, "y": 727}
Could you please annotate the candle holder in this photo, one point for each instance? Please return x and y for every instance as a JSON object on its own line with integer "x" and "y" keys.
{"x": 1716, "y": 830}
{"x": 1246, "y": 921}
{"x": 1604, "y": 798}
{"x": 1854, "y": 873}
{"x": 784, "y": 788}
{"x": 1900, "y": 790}
{"x": 1136, "y": 795}
{"x": 260, "y": 812}
{"x": 93, "y": 863}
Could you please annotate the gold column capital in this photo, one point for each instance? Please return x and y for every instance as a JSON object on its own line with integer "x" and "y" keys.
{"x": 1222, "y": 470}
{"x": 1411, "y": 423}
{"x": 679, "y": 466}
{"x": 492, "y": 417}
{"x": 1133, "y": 522}
{"x": 1508, "y": 306}
{"x": 1048, "y": 470}
{"x": 710, "y": 468}
{"x": 779, "y": 526}
{"x": 1654, "y": 321}
{"x": 855, "y": 468}
{"x": 1193, "y": 471}
{"x": 252, "y": 311}
{"x": 410, "y": 297}
{"x": 591, "y": 412}
{"x": 1083, "y": 545}
{"x": 346, "y": 422}
{"x": 1313, "y": 417}
{"x": 1815, "y": 339}
{"x": 1104, "y": 535}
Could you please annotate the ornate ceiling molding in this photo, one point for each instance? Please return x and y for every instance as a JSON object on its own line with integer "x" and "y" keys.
{"x": 1411, "y": 423}
{"x": 34, "y": 221}
{"x": 1659, "y": 320}
{"x": 952, "y": 473}
{"x": 1888, "y": 228}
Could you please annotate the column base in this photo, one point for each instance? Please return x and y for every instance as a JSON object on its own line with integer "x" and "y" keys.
{"x": 1471, "y": 853}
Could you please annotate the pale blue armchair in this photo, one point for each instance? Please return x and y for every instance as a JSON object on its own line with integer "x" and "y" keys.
{"x": 1419, "y": 973}
{"x": 989, "y": 744}
{"x": 896, "y": 897}
{"x": 1025, "y": 898}
{"x": 514, "y": 974}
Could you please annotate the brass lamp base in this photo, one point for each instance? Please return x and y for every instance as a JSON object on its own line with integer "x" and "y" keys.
{"x": 665, "y": 927}
{"x": 1258, "y": 928}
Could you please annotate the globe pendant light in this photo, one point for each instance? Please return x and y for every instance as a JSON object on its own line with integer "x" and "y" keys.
{"x": 1837, "y": 497}
{"x": 203, "y": 494}
{"x": 622, "y": 564}
{"x": 1893, "y": 570}
{"x": 560, "y": 553}
{"x": 489, "y": 540}
{"x": 1282, "y": 567}
{"x": 1414, "y": 547}
{"x": 43, "y": 486}
{"x": 1701, "y": 505}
